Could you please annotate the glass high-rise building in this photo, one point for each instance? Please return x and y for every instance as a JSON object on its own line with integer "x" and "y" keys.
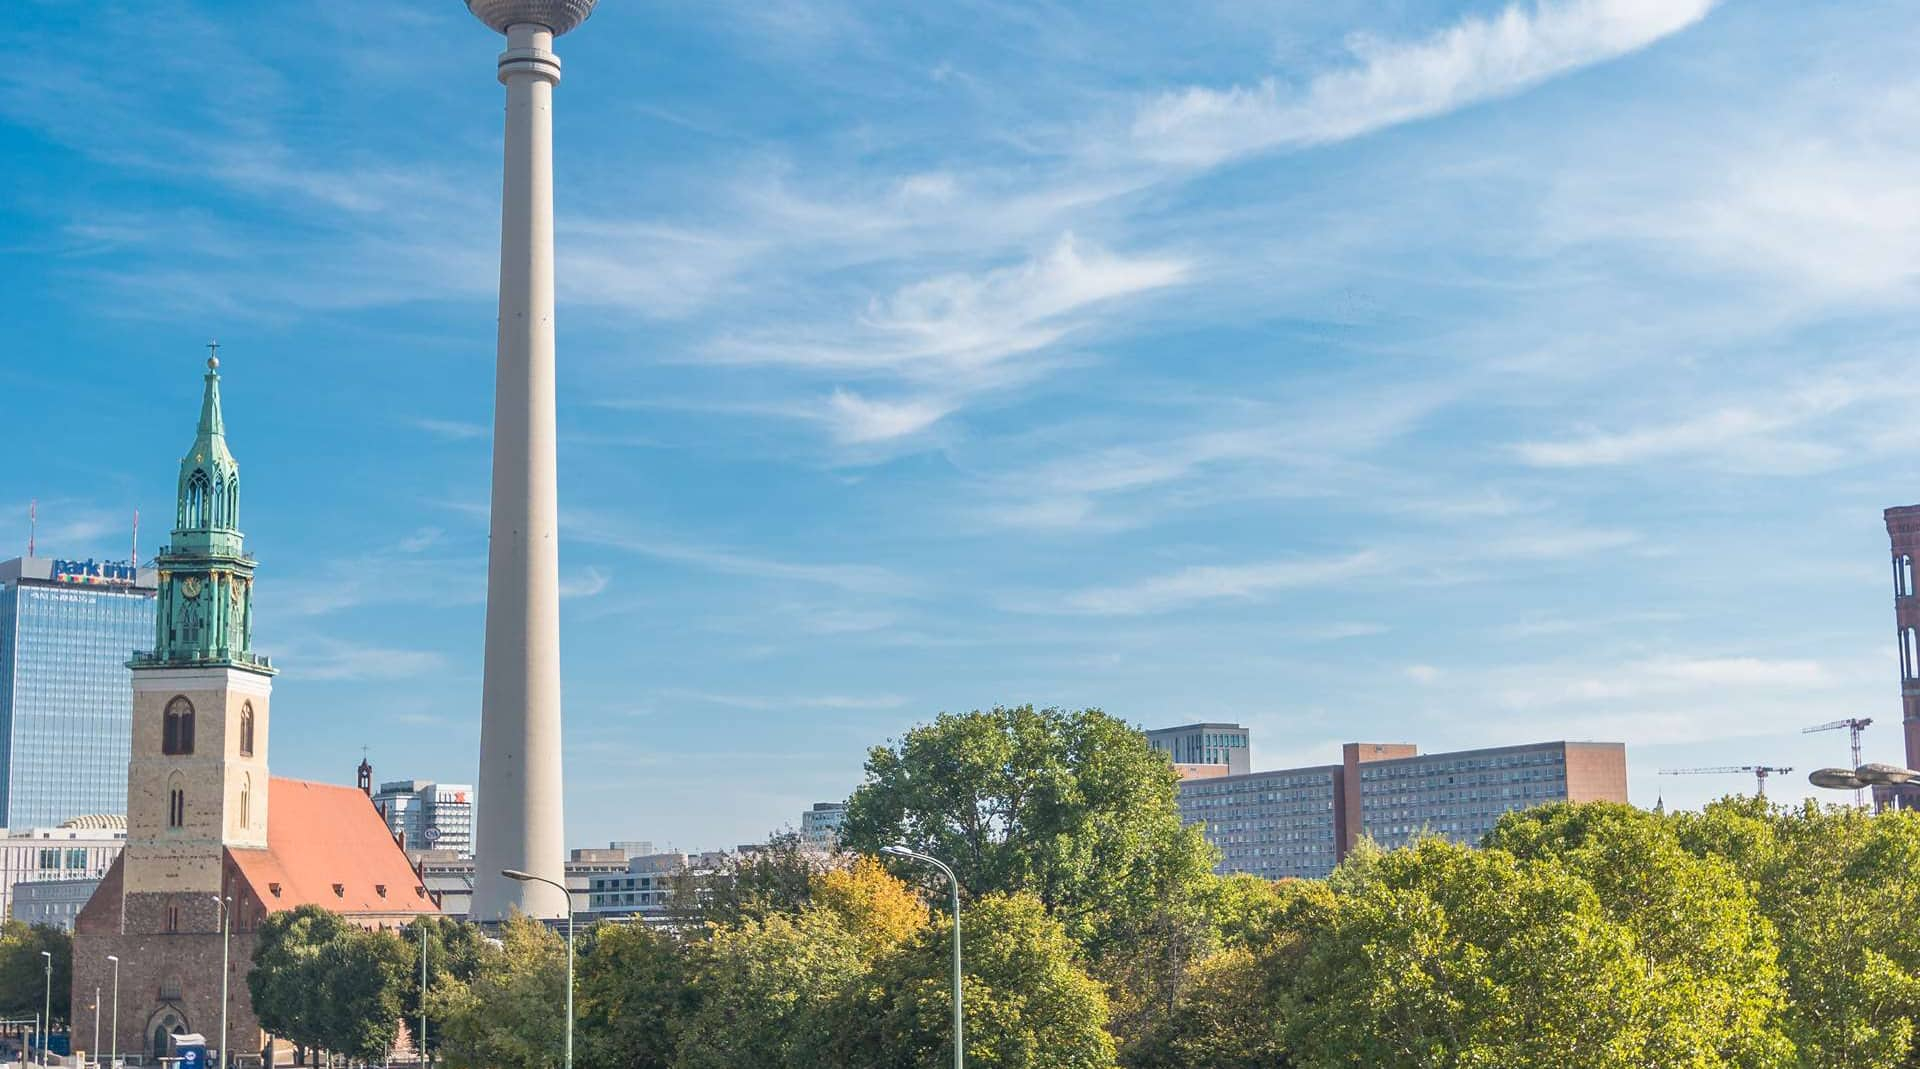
{"x": 67, "y": 630}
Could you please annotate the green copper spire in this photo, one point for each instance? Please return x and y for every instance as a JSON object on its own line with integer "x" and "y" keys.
{"x": 206, "y": 578}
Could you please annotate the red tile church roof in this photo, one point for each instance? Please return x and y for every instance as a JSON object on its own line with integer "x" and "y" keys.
{"x": 327, "y": 846}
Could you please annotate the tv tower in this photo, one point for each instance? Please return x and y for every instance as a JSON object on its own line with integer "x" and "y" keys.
{"x": 520, "y": 825}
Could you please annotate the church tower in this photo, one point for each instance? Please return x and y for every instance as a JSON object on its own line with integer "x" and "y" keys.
{"x": 197, "y": 781}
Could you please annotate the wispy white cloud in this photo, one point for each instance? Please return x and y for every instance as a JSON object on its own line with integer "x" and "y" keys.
{"x": 856, "y": 578}
{"x": 968, "y": 322}
{"x": 1206, "y": 583}
{"x": 422, "y": 538}
{"x": 1783, "y": 430}
{"x": 857, "y": 419}
{"x": 587, "y": 584}
{"x": 452, "y": 430}
{"x": 1556, "y": 545}
{"x": 336, "y": 659}
{"x": 1473, "y": 60}
{"x": 848, "y": 702}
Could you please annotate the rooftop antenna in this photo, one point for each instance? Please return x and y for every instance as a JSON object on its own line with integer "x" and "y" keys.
{"x": 136, "y": 540}
{"x": 33, "y": 523}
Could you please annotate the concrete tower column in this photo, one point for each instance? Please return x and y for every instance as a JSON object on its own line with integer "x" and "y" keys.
{"x": 520, "y": 824}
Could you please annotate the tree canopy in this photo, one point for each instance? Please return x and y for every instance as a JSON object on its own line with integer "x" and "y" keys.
{"x": 1073, "y": 808}
{"x": 1746, "y": 936}
{"x": 23, "y": 972}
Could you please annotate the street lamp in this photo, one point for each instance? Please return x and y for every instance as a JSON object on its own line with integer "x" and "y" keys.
{"x": 46, "y": 1020}
{"x": 1874, "y": 773}
{"x": 959, "y": 1044}
{"x": 95, "y": 1051}
{"x": 567, "y": 897}
{"x": 226, "y": 942}
{"x": 113, "y": 1040}
{"x": 424, "y": 1059}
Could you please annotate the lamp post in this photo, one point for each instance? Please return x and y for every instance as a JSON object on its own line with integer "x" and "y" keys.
{"x": 567, "y": 897}
{"x": 96, "y": 1024}
{"x": 113, "y": 1040}
{"x": 46, "y": 1019}
{"x": 226, "y": 943}
{"x": 425, "y": 1060}
{"x": 959, "y": 1043}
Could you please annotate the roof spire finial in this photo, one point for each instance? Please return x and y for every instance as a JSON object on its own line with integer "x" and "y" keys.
{"x": 213, "y": 354}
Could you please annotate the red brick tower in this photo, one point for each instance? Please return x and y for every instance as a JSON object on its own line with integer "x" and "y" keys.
{"x": 1903, "y": 529}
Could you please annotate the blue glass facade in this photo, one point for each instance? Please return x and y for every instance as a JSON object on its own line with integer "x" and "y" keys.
{"x": 66, "y": 696}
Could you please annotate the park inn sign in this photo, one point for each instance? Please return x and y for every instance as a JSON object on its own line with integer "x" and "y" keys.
{"x": 95, "y": 573}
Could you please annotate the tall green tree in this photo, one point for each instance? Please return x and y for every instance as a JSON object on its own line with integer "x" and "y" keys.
{"x": 1443, "y": 956}
{"x": 363, "y": 974}
{"x": 1027, "y": 1002}
{"x": 1839, "y": 886}
{"x": 1709, "y": 950}
{"x": 1072, "y": 807}
{"x": 635, "y": 996}
{"x": 505, "y": 1018}
{"x": 23, "y": 972}
{"x": 288, "y": 983}
{"x": 453, "y": 949}
{"x": 764, "y": 989}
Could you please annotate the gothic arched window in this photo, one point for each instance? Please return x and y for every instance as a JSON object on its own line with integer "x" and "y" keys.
{"x": 176, "y": 801}
{"x": 246, "y": 801}
{"x": 199, "y": 500}
{"x": 177, "y": 736}
{"x": 233, "y": 501}
{"x": 246, "y": 730}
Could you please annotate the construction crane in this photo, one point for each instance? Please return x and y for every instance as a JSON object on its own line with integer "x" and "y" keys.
{"x": 1854, "y": 725}
{"x": 1760, "y": 773}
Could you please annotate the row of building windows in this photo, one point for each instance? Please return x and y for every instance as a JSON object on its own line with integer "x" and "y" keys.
{"x": 1421, "y": 767}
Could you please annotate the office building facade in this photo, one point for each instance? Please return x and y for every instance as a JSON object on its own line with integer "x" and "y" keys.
{"x": 428, "y": 816}
{"x": 1272, "y": 824}
{"x": 67, "y": 630}
{"x": 1300, "y": 822}
{"x": 52, "y": 903}
{"x": 80, "y": 849}
{"x": 1224, "y": 745}
{"x": 820, "y": 825}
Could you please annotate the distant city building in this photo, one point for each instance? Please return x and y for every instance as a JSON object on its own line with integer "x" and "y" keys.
{"x": 81, "y": 849}
{"x": 645, "y": 890}
{"x": 67, "y": 631}
{"x": 1903, "y": 531}
{"x": 1272, "y": 824}
{"x": 450, "y": 877}
{"x": 52, "y": 903}
{"x": 1205, "y": 744}
{"x": 1302, "y": 821}
{"x": 424, "y": 815}
{"x": 820, "y": 825}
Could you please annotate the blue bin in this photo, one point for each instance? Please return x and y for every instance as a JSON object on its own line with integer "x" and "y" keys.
{"x": 191, "y": 1050}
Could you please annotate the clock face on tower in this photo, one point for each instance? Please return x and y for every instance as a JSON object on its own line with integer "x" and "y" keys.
{"x": 190, "y": 586}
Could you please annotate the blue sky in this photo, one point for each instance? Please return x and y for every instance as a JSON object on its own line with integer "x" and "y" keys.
{"x": 1463, "y": 374}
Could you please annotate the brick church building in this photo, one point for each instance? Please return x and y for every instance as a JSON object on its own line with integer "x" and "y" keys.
{"x": 206, "y": 822}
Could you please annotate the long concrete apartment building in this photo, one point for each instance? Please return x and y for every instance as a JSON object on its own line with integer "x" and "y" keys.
{"x": 1302, "y": 821}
